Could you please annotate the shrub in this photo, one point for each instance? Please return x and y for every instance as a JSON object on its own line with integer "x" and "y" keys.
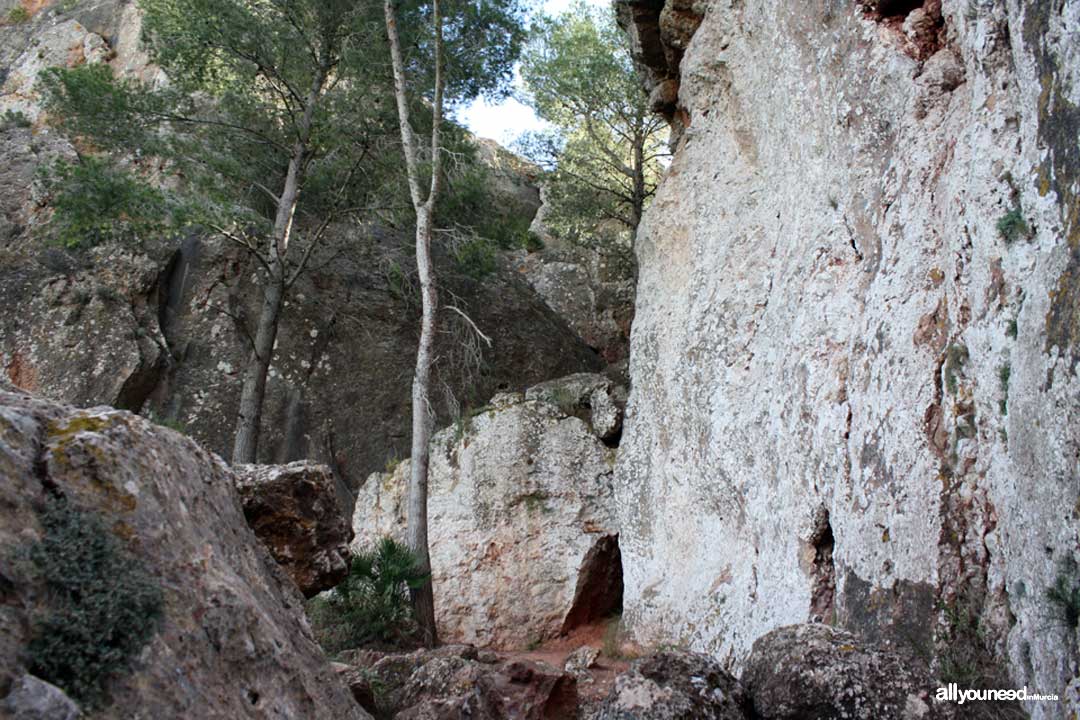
{"x": 476, "y": 258}
{"x": 955, "y": 357}
{"x": 1012, "y": 226}
{"x": 14, "y": 119}
{"x": 372, "y": 604}
{"x": 102, "y": 606}
{"x": 96, "y": 202}
{"x": 1065, "y": 594}
{"x": 18, "y": 15}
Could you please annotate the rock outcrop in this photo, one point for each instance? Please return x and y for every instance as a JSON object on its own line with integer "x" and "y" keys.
{"x": 523, "y": 546}
{"x": 298, "y": 513}
{"x": 674, "y": 685}
{"x": 854, "y": 355}
{"x": 450, "y": 683}
{"x": 809, "y": 671}
{"x": 233, "y": 641}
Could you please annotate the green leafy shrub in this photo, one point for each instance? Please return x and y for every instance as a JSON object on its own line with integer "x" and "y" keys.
{"x": 102, "y": 607}
{"x": 1012, "y": 329}
{"x": 96, "y": 202}
{"x": 14, "y": 119}
{"x": 1065, "y": 594}
{"x": 1012, "y": 226}
{"x": 17, "y": 15}
{"x": 475, "y": 257}
{"x": 372, "y": 604}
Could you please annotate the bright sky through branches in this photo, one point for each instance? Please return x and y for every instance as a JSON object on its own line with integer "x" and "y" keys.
{"x": 505, "y": 121}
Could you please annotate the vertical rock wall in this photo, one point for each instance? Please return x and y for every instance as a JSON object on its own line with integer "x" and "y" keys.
{"x": 856, "y": 337}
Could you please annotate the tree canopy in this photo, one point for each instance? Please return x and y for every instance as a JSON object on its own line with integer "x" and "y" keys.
{"x": 605, "y": 151}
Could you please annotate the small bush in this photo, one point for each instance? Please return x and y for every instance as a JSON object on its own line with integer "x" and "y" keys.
{"x": 372, "y": 604}
{"x": 1065, "y": 594}
{"x": 1004, "y": 373}
{"x": 476, "y": 258}
{"x": 1012, "y": 329}
{"x": 18, "y": 15}
{"x": 102, "y": 607}
{"x": 1012, "y": 226}
{"x": 14, "y": 119}
{"x": 95, "y": 202}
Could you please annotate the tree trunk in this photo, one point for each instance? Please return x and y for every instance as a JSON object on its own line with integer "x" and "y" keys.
{"x": 253, "y": 390}
{"x": 638, "y": 208}
{"x": 423, "y": 597}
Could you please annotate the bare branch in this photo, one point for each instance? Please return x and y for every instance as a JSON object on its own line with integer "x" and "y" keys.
{"x": 469, "y": 320}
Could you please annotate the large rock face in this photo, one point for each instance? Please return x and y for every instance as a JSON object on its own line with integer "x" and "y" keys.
{"x": 234, "y": 641}
{"x": 855, "y": 345}
{"x": 523, "y": 545}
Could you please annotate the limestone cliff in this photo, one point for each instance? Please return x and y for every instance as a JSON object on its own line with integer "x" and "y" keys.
{"x": 853, "y": 364}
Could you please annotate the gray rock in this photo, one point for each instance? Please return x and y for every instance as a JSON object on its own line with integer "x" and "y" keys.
{"x": 32, "y": 698}
{"x": 818, "y": 672}
{"x": 233, "y": 639}
{"x": 519, "y": 491}
{"x": 826, "y": 310}
{"x": 674, "y": 685}
{"x": 296, "y": 511}
{"x": 578, "y": 662}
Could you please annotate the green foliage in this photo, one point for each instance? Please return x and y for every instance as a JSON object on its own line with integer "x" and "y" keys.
{"x": 475, "y": 257}
{"x": 372, "y": 603}
{"x": 1065, "y": 595}
{"x": 470, "y": 201}
{"x": 18, "y": 15}
{"x": 955, "y": 357}
{"x": 1012, "y": 329}
{"x": 604, "y": 154}
{"x": 1012, "y": 226}
{"x": 14, "y": 119}
{"x": 95, "y": 202}
{"x": 101, "y": 607}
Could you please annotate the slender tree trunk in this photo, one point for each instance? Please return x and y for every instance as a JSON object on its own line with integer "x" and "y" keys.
{"x": 253, "y": 390}
{"x": 423, "y": 598}
{"x": 638, "y": 208}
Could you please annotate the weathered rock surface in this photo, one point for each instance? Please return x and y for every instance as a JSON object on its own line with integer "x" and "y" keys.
{"x": 854, "y": 355}
{"x": 298, "y": 513}
{"x": 817, "y": 672}
{"x": 674, "y": 685}
{"x": 523, "y": 546}
{"x": 234, "y": 641}
{"x": 31, "y": 698}
{"x": 449, "y": 683}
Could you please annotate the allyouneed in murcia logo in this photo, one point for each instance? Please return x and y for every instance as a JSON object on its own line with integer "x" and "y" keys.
{"x": 953, "y": 693}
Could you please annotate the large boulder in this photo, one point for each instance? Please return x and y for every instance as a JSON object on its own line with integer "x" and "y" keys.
{"x": 450, "y": 683}
{"x": 674, "y": 685}
{"x": 298, "y": 513}
{"x": 523, "y": 546}
{"x": 818, "y": 672}
{"x": 233, "y": 640}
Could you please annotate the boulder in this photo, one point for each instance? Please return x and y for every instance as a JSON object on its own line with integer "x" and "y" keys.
{"x": 523, "y": 546}
{"x": 32, "y": 698}
{"x": 233, "y": 640}
{"x": 816, "y": 672}
{"x": 450, "y": 682}
{"x": 578, "y": 662}
{"x": 296, "y": 511}
{"x": 674, "y": 685}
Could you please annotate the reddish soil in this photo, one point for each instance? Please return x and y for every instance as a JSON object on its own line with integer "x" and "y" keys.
{"x": 554, "y": 652}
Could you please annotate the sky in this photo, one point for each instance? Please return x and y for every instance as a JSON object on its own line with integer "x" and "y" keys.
{"x": 505, "y": 121}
